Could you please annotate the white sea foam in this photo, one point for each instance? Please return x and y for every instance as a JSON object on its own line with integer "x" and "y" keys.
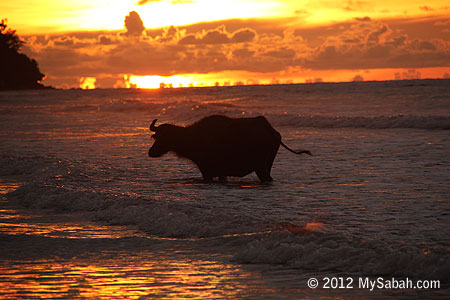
{"x": 334, "y": 252}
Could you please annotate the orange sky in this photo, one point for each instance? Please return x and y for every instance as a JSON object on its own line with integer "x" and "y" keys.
{"x": 104, "y": 43}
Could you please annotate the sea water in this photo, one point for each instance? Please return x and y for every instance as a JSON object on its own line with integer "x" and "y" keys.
{"x": 87, "y": 214}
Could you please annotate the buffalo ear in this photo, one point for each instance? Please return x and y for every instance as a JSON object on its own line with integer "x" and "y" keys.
{"x": 152, "y": 126}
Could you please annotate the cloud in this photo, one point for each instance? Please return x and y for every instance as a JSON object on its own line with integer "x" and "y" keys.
{"x": 234, "y": 45}
{"x": 217, "y": 36}
{"x": 364, "y": 19}
{"x": 355, "y": 5}
{"x": 372, "y": 44}
{"x": 220, "y": 35}
{"x": 105, "y": 40}
{"x": 243, "y": 35}
{"x": 302, "y": 12}
{"x": 426, "y": 8}
{"x": 134, "y": 24}
{"x": 143, "y": 2}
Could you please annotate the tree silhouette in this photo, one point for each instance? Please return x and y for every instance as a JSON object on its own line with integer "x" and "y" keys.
{"x": 17, "y": 71}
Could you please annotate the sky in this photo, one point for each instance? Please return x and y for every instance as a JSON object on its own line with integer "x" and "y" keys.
{"x": 153, "y": 43}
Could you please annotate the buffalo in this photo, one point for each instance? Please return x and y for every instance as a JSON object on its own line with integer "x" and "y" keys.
{"x": 221, "y": 146}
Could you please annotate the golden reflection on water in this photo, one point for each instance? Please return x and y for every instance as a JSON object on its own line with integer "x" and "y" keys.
{"x": 57, "y": 230}
{"x": 127, "y": 274}
{"x": 310, "y": 227}
{"x": 8, "y": 186}
{"x": 126, "y": 278}
{"x": 105, "y": 263}
{"x": 18, "y": 222}
{"x": 68, "y": 135}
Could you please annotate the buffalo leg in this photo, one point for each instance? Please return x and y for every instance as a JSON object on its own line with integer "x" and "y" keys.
{"x": 206, "y": 176}
{"x": 264, "y": 175}
{"x": 271, "y": 157}
{"x": 207, "y": 179}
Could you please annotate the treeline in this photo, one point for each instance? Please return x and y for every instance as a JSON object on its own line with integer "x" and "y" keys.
{"x": 17, "y": 71}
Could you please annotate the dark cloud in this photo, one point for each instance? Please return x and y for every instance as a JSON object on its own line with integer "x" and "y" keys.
{"x": 377, "y": 35}
{"x": 217, "y": 36}
{"x": 143, "y": 58}
{"x": 426, "y": 8}
{"x": 189, "y": 40}
{"x": 105, "y": 40}
{"x": 424, "y": 28}
{"x": 134, "y": 24}
{"x": 243, "y": 53}
{"x": 243, "y": 35}
{"x": 365, "y": 19}
{"x": 220, "y": 35}
{"x": 302, "y": 12}
{"x": 375, "y": 45}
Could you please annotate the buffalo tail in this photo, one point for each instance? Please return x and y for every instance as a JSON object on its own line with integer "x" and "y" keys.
{"x": 296, "y": 152}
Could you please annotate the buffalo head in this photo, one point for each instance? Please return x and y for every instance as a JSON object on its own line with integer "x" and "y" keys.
{"x": 166, "y": 136}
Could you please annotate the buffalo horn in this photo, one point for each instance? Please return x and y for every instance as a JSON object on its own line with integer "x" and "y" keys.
{"x": 152, "y": 126}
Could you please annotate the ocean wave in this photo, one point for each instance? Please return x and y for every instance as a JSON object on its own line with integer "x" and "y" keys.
{"x": 336, "y": 252}
{"x": 316, "y": 121}
{"x": 327, "y": 251}
{"x": 187, "y": 112}
{"x": 378, "y": 122}
{"x": 157, "y": 217}
{"x": 253, "y": 241}
{"x": 130, "y": 106}
{"x": 60, "y": 185}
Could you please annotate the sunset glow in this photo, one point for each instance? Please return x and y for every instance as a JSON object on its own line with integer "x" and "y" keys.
{"x": 182, "y": 43}
{"x": 199, "y": 80}
{"x": 248, "y": 78}
{"x": 153, "y": 82}
{"x": 70, "y": 15}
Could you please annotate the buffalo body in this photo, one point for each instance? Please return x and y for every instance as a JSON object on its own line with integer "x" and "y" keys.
{"x": 222, "y": 146}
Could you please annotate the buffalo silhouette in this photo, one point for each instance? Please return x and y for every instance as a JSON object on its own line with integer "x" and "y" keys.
{"x": 221, "y": 146}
